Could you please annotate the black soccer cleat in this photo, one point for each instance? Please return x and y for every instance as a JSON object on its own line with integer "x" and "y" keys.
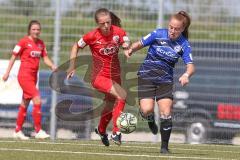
{"x": 153, "y": 127}
{"x": 104, "y": 137}
{"x": 116, "y": 138}
{"x": 164, "y": 151}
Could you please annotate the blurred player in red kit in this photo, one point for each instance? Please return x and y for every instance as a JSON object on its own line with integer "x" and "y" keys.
{"x": 30, "y": 49}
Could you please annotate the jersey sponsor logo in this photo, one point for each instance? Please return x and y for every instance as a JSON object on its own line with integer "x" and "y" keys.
{"x": 167, "y": 53}
{"x": 81, "y": 43}
{"x": 16, "y": 49}
{"x": 110, "y": 50}
{"x": 35, "y": 54}
{"x": 116, "y": 39}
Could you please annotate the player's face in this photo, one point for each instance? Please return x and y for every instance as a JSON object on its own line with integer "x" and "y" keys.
{"x": 104, "y": 23}
{"x": 35, "y": 31}
{"x": 175, "y": 28}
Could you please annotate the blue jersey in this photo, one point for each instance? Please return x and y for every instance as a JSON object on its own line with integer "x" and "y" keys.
{"x": 162, "y": 55}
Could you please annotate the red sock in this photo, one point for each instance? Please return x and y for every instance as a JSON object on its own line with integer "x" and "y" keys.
{"x": 118, "y": 108}
{"x": 37, "y": 116}
{"x": 106, "y": 117}
{"x": 22, "y": 112}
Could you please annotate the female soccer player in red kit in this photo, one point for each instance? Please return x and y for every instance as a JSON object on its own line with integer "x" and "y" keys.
{"x": 104, "y": 42}
{"x": 30, "y": 49}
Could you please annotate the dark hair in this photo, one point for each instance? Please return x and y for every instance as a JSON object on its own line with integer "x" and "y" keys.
{"x": 185, "y": 18}
{"x": 32, "y": 22}
{"x": 115, "y": 19}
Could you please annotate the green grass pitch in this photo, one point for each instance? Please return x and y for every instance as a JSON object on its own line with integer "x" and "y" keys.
{"x": 93, "y": 150}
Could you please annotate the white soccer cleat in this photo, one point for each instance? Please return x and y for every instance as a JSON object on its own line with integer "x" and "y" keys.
{"x": 42, "y": 135}
{"x": 20, "y": 135}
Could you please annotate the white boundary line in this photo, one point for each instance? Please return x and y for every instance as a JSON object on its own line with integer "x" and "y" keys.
{"x": 105, "y": 154}
{"x": 123, "y": 146}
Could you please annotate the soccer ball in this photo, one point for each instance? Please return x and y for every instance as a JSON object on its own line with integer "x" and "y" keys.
{"x": 127, "y": 123}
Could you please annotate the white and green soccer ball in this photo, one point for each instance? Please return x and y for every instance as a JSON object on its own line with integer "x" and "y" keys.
{"x": 127, "y": 123}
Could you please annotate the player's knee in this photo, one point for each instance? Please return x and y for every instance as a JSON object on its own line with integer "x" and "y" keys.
{"x": 122, "y": 94}
{"x": 36, "y": 100}
{"x": 149, "y": 116}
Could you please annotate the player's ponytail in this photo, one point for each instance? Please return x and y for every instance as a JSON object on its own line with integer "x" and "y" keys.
{"x": 32, "y": 22}
{"x": 115, "y": 19}
{"x": 186, "y": 22}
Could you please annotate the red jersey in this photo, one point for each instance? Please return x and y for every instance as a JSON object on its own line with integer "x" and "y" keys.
{"x": 30, "y": 53}
{"x": 104, "y": 51}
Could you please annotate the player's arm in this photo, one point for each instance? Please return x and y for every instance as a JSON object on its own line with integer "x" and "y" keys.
{"x": 188, "y": 60}
{"x": 133, "y": 48}
{"x": 190, "y": 69}
{"x": 10, "y": 65}
{"x": 49, "y": 63}
{"x": 73, "y": 56}
{"x": 145, "y": 41}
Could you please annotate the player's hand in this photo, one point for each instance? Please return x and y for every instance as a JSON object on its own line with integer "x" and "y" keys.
{"x": 125, "y": 46}
{"x": 70, "y": 73}
{"x": 128, "y": 52}
{"x": 53, "y": 68}
{"x": 5, "y": 77}
{"x": 184, "y": 79}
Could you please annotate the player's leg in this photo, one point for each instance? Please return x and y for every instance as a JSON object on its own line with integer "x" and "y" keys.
{"x": 27, "y": 95}
{"x": 106, "y": 117}
{"x": 22, "y": 112}
{"x": 147, "y": 113}
{"x": 146, "y": 95}
{"x": 107, "y": 85}
{"x": 37, "y": 117}
{"x": 165, "y": 102}
{"x": 120, "y": 95}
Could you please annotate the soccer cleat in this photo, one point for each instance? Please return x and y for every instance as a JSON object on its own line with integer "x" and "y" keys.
{"x": 164, "y": 151}
{"x": 153, "y": 127}
{"x": 20, "y": 135}
{"x": 41, "y": 135}
{"x": 104, "y": 137}
{"x": 116, "y": 138}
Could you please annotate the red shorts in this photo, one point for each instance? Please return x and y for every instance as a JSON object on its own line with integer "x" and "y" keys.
{"x": 28, "y": 85}
{"x": 104, "y": 84}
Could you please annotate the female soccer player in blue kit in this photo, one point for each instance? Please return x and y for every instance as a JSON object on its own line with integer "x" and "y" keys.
{"x": 155, "y": 76}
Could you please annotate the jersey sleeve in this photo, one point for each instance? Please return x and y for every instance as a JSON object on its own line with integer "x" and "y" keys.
{"x": 149, "y": 39}
{"x": 85, "y": 40}
{"x": 187, "y": 54}
{"x": 17, "y": 50}
{"x": 124, "y": 38}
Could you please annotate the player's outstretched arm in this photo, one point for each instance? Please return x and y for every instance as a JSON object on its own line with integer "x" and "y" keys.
{"x": 10, "y": 65}
{"x": 134, "y": 47}
{"x": 73, "y": 56}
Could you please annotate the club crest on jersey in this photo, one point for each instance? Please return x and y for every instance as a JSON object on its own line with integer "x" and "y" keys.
{"x": 116, "y": 39}
{"x": 177, "y": 48}
{"x": 35, "y": 54}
